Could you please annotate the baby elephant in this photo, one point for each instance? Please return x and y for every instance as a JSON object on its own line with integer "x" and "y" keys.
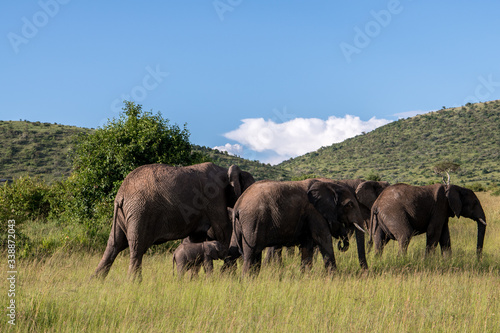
{"x": 190, "y": 256}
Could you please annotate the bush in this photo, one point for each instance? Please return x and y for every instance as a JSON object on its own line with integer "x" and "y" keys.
{"x": 104, "y": 157}
{"x": 24, "y": 199}
{"x": 373, "y": 176}
{"x": 477, "y": 187}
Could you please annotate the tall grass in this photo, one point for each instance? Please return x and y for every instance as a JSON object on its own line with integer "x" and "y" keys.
{"x": 397, "y": 294}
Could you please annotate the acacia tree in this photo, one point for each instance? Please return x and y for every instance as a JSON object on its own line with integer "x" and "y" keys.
{"x": 446, "y": 167}
{"x": 104, "y": 157}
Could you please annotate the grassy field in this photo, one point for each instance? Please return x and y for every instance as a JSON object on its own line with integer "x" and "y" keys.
{"x": 397, "y": 294}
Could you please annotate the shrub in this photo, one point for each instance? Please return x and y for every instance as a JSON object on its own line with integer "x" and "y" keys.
{"x": 104, "y": 157}
{"x": 24, "y": 199}
{"x": 373, "y": 176}
{"x": 477, "y": 187}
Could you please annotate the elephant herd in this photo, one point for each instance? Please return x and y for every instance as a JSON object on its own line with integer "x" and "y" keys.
{"x": 224, "y": 214}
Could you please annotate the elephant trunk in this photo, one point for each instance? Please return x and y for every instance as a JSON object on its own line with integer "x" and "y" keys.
{"x": 343, "y": 244}
{"x": 360, "y": 242}
{"x": 481, "y": 230}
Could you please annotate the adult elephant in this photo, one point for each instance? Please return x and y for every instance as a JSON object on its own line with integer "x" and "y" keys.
{"x": 304, "y": 213}
{"x": 158, "y": 203}
{"x": 365, "y": 192}
{"x": 402, "y": 211}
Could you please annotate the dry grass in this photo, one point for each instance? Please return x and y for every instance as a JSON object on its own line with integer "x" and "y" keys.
{"x": 397, "y": 294}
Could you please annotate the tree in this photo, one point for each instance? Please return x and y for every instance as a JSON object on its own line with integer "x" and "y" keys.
{"x": 446, "y": 167}
{"x": 103, "y": 158}
{"x": 374, "y": 176}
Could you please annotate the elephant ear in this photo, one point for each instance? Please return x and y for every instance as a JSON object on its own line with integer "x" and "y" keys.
{"x": 453, "y": 196}
{"x": 234, "y": 175}
{"x": 367, "y": 193}
{"x": 325, "y": 199}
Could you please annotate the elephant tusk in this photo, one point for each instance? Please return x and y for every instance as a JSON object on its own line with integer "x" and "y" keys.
{"x": 359, "y": 228}
{"x": 482, "y": 221}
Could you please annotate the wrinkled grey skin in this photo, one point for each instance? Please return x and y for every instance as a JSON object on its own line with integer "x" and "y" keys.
{"x": 158, "y": 203}
{"x": 304, "y": 213}
{"x": 366, "y": 192}
{"x": 191, "y": 256}
{"x": 402, "y": 211}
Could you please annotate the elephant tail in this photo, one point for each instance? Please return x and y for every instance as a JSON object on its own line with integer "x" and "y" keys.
{"x": 237, "y": 230}
{"x": 373, "y": 226}
{"x": 173, "y": 264}
{"x": 118, "y": 205}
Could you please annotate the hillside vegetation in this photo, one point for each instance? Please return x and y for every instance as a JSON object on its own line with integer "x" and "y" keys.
{"x": 259, "y": 170}
{"x": 36, "y": 149}
{"x": 406, "y": 150}
{"x": 402, "y": 151}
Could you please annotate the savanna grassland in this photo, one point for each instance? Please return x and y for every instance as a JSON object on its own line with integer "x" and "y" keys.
{"x": 396, "y": 294}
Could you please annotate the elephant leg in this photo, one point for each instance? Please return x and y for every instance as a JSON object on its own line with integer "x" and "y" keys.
{"x": 323, "y": 240}
{"x": 290, "y": 251}
{"x": 181, "y": 269}
{"x": 306, "y": 260}
{"x": 208, "y": 266}
{"x": 195, "y": 269}
{"x": 137, "y": 250}
{"x": 247, "y": 259}
{"x": 273, "y": 255}
{"x": 117, "y": 242}
{"x": 233, "y": 254}
{"x": 445, "y": 241}
{"x": 256, "y": 263}
{"x": 433, "y": 238}
{"x": 324, "y": 243}
{"x": 251, "y": 261}
{"x": 403, "y": 241}
{"x": 379, "y": 240}
{"x": 360, "y": 243}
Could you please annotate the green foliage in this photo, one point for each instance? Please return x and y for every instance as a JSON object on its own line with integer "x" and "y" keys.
{"x": 477, "y": 187}
{"x": 104, "y": 157}
{"x": 305, "y": 176}
{"x": 374, "y": 176}
{"x": 24, "y": 199}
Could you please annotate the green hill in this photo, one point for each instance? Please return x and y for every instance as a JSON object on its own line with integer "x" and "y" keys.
{"x": 41, "y": 149}
{"x": 258, "y": 170}
{"x": 402, "y": 151}
{"x": 36, "y": 149}
{"x": 406, "y": 150}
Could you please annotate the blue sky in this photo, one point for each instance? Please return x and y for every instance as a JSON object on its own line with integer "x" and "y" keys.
{"x": 267, "y": 80}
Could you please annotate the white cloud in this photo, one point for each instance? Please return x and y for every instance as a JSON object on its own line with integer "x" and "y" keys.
{"x": 298, "y": 136}
{"x": 235, "y": 149}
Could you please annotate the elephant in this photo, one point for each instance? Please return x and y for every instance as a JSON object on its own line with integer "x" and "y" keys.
{"x": 365, "y": 191}
{"x": 304, "y": 213}
{"x": 158, "y": 203}
{"x": 403, "y": 211}
{"x": 190, "y": 256}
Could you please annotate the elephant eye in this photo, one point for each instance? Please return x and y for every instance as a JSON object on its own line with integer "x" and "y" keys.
{"x": 348, "y": 204}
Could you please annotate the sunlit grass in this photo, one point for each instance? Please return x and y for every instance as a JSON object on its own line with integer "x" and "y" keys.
{"x": 397, "y": 294}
